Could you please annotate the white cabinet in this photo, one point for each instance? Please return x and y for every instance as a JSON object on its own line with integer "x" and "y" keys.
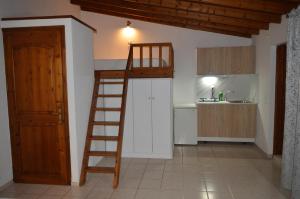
{"x": 142, "y": 125}
{"x": 148, "y": 120}
{"x": 185, "y": 125}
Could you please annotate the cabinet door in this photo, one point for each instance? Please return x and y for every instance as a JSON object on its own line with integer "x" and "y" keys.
{"x": 161, "y": 116}
{"x": 211, "y": 61}
{"x": 128, "y": 127}
{"x": 142, "y": 130}
{"x": 226, "y": 60}
{"x": 209, "y": 120}
{"x": 185, "y": 126}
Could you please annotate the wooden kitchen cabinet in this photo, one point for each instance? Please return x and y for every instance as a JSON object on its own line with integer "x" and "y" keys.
{"x": 226, "y": 60}
{"x": 227, "y": 120}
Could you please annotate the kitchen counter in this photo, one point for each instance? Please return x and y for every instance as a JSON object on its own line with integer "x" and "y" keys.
{"x": 226, "y": 121}
{"x": 185, "y": 105}
{"x": 224, "y": 102}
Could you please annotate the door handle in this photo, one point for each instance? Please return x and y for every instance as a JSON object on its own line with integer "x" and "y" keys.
{"x": 60, "y": 112}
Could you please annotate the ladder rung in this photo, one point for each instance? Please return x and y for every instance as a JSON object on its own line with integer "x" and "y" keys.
{"x": 100, "y": 169}
{"x": 111, "y": 95}
{"x": 108, "y": 109}
{"x": 111, "y": 82}
{"x": 103, "y": 153}
{"x": 106, "y": 123}
{"x": 104, "y": 138}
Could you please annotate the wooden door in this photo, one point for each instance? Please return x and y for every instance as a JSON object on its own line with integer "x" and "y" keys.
{"x": 279, "y": 99}
{"x": 35, "y": 73}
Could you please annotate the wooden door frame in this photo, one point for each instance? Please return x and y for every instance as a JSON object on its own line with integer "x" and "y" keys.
{"x": 61, "y": 29}
{"x": 279, "y": 101}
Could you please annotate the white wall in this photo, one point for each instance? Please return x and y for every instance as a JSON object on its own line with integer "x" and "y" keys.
{"x": 266, "y": 43}
{"x": 83, "y": 66}
{"x": 5, "y": 150}
{"x": 21, "y": 8}
{"x": 109, "y": 44}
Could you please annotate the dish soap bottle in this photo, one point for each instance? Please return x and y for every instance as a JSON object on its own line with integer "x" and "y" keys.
{"x": 221, "y": 96}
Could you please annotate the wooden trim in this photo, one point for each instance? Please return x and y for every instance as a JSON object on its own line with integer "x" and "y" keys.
{"x": 66, "y": 103}
{"x": 141, "y": 56}
{"x": 160, "y": 56}
{"x": 154, "y": 72}
{"x": 279, "y": 114}
{"x": 49, "y": 17}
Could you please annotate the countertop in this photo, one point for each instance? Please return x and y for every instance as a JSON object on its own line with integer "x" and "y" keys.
{"x": 223, "y": 102}
{"x": 194, "y": 105}
{"x": 185, "y": 105}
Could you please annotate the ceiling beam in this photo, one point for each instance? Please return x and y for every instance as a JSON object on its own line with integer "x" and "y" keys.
{"x": 214, "y": 9}
{"x": 184, "y": 14}
{"x": 168, "y": 18}
{"x": 160, "y": 20}
{"x": 270, "y": 6}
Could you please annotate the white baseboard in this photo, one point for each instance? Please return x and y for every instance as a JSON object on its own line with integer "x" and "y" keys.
{"x": 75, "y": 184}
{"x": 156, "y": 156}
{"x": 224, "y": 139}
{"x": 6, "y": 185}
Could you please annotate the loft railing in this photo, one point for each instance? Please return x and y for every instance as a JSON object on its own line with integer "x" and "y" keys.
{"x": 150, "y": 60}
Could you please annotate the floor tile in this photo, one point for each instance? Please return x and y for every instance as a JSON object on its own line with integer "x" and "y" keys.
{"x": 205, "y": 171}
{"x": 124, "y": 194}
{"x": 195, "y": 195}
{"x": 132, "y": 183}
{"x": 219, "y": 195}
{"x": 151, "y": 184}
{"x": 100, "y": 193}
{"x": 148, "y": 194}
{"x": 171, "y": 194}
{"x": 57, "y": 190}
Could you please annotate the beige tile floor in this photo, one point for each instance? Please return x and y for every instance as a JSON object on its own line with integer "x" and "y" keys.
{"x": 206, "y": 171}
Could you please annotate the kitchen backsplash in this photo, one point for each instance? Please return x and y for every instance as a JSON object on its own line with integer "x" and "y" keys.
{"x": 238, "y": 87}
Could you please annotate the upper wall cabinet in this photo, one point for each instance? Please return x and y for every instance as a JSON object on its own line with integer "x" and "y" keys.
{"x": 226, "y": 60}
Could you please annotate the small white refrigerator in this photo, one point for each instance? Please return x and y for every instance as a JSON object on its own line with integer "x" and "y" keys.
{"x": 185, "y": 124}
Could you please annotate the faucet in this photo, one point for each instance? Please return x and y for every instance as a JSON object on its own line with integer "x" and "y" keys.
{"x": 212, "y": 93}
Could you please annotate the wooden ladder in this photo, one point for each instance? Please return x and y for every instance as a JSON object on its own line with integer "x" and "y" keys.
{"x": 101, "y": 78}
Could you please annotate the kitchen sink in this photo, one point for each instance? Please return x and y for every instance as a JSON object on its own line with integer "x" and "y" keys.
{"x": 240, "y": 101}
{"x": 230, "y": 101}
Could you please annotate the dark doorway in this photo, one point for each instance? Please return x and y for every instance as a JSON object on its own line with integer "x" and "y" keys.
{"x": 280, "y": 98}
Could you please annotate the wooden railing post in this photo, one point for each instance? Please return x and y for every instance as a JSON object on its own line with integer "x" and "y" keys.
{"x": 150, "y": 56}
{"x": 141, "y": 56}
{"x": 160, "y": 56}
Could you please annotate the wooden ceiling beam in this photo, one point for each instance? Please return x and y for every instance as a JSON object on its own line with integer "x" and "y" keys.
{"x": 215, "y": 10}
{"x": 162, "y": 20}
{"x": 245, "y": 23}
{"x": 270, "y": 6}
